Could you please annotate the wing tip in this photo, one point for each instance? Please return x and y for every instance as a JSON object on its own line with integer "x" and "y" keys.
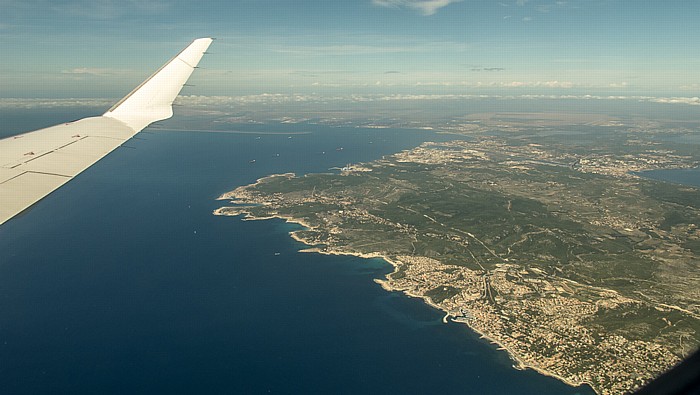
{"x": 151, "y": 101}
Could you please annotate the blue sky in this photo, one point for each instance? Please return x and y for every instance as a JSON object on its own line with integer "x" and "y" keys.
{"x": 102, "y": 48}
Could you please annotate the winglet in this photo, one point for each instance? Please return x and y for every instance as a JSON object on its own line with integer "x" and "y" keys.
{"x": 152, "y": 100}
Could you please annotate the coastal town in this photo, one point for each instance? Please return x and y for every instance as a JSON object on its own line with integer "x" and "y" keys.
{"x": 572, "y": 263}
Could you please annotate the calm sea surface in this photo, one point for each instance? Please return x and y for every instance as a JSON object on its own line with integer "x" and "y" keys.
{"x": 124, "y": 282}
{"x": 678, "y": 176}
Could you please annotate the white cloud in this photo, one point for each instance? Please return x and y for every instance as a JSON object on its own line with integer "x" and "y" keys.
{"x": 523, "y": 84}
{"x": 263, "y": 98}
{"x": 279, "y": 98}
{"x": 691, "y": 87}
{"x": 425, "y": 7}
{"x": 96, "y": 71}
{"x": 283, "y": 98}
{"x": 693, "y": 101}
{"x": 558, "y": 84}
{"x": 54, "y": 103}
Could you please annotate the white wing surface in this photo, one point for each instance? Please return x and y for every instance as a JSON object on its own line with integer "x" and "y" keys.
{"x": 34, "y": 164}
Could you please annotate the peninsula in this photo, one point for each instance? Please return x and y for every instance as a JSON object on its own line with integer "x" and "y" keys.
{"x": 556, "y": 252}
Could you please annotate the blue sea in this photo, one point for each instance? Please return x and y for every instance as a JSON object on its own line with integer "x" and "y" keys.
{"x": 124, "y": 282}
{"x": 677, "y": 176}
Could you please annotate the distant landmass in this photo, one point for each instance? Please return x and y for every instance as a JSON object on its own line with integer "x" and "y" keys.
{"x": 536, "y": 231}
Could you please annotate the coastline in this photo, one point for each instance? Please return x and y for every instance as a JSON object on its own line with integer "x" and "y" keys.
{"x": 519, "y": 364}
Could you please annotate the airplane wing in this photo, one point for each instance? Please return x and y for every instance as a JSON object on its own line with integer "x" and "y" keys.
{"x": 34, "y": 164}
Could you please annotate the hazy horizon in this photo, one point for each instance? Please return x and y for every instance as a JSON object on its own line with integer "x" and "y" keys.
{"x": 79, "y": 48}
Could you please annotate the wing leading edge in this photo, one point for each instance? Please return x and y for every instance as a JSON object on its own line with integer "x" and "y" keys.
{"x": 34, "y": 164}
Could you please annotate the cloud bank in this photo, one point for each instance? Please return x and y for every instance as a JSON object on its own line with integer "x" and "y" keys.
{"x": 282, "y": 98}
{"x": 279, "y": 98}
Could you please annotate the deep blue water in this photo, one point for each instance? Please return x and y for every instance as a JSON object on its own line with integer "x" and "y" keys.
{"x": 678, "y": 176}
{"x": 123, "y": 281}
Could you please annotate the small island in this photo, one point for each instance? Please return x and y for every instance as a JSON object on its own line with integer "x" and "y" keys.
{"x": 557, "y": 252}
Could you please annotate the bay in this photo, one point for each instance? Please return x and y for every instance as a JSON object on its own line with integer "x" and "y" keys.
{"x": 690, "y": 177}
